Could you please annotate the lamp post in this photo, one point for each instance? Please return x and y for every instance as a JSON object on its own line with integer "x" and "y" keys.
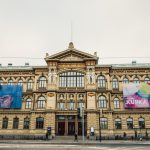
{"x": 100, "y": 112}
{"x": 83, "y": 124}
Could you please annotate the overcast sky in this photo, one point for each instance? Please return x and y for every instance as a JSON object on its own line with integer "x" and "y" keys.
{"x": 113, "y": 28}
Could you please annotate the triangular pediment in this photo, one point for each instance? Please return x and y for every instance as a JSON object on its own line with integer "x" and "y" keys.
{"x": 71, "y": 57}
{"x": 71, "y": 54}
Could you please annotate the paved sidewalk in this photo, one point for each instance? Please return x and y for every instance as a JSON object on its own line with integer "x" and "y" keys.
{"x": 79, "y": 142}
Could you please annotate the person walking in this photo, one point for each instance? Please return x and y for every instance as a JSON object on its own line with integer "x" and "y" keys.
{"x": 76, "y": 136}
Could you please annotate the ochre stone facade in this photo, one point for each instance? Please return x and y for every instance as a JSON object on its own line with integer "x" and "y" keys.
{"x": 70, "y": 80}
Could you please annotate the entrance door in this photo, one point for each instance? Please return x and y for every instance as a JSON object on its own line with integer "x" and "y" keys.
{"x": 71, "y": 128}
{"x": 61, "y": 128}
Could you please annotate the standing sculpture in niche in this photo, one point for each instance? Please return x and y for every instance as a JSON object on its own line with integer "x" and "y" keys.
{"x": 52, "y": 76}
{"x": 90, "y": 77}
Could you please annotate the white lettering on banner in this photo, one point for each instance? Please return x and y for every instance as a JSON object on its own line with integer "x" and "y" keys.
{"x": 137, "y": 102}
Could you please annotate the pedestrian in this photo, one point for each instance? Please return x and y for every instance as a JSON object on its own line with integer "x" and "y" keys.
{"x": 76, "y": 136}
{"x": 46, "y": 136}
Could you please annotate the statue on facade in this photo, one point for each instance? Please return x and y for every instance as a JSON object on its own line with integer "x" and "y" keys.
{"x": 90, "y": 78}
{"x": 52, "y": 76}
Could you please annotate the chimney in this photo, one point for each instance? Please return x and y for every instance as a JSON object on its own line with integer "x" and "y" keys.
{"x": 9, "y": 64}
{"x": 26, "y": 64}
{"x": 134, "y": 62}
{"x": 95, "y": 53}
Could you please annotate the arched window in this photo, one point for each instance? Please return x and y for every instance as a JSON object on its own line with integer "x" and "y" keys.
{"x": 41, "y": 102}
{"x": 29, "y": 84}
{"x": 141, "y": 123}
{"x": 5, "y": 123}
{"x": 20, "y": 82}
{"x": 39, "y": 123}
{"x": 1, "y": 82}
{"x": 15, "y": 123}
{"x": 147, "y": 80}
{"x": 26, "y": 123}
{"x": 125, "y": 81}
{"x": 136, "y": 80}
{"x": 130, "y": 123}
{"x": 104, "y": 123}
{"x": 42, "y": 82}
{"x": 116, "y": 103}
{"x": 115, "y": 84}
{"x": 102, "y": 102}
{"x": 71, "y": 79}
{"x": 101, "y": 82}
{"x": 28, "y": 103}
{"x": 118, "y": 123}
{"x": 10, "y": 82}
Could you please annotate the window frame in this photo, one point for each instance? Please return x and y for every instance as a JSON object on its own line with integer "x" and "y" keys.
{"x": 39, "y": 123}
{"x": 101, "y": 81}
{"x": 5, "y": 123}
{"x": 115, "y": 83}
{"x": 42, "y": 82}
{"x": 116, "y": 103}
{"x": 41, "y": 102}
{"x": 102, "y": 102}
{"x": 130, "y": 123}
{"x": 104, "y": 123}
{"x": 71, "y": 79}
{"x": 141, "y": 122}
{"x": 30, "y": 84}
{"x": 118, "y": 123}
{"x": 15, "y": 123}
{"x": 28, "y": 103}
{"x": 26, "y": 123}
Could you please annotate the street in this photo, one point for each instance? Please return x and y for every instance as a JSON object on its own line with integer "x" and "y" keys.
{"x": 71, "y": 147}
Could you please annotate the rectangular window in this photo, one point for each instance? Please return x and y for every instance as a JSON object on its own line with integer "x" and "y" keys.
{"x": 71, "y": 79}
{"x": 5, "y": 123}
{"x": 104, "y": 123}
{"x": 15, "y": 123}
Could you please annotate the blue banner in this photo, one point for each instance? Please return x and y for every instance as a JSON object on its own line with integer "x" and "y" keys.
{"x": 10, "y": 96}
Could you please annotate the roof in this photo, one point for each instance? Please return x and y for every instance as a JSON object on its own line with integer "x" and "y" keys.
{"x": 72, "y": 53}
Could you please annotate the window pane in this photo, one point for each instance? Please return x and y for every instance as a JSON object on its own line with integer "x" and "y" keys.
{"x": 39, "y": 123}
{"x": 102, "y": 102}
{"x": 5, "y": 123}
{"x": 42, "y": 82}
{"x": 71, "y": 79}
{"x": 28, "y": 103}
{"x": 147, "y": 80}
{"x": 115, "y": 84}
{"x": 15, "y": 123}
{"x": 41, "y": 102}
{"x": 136, "y": 80}
{"x": 104, "y": 123}
{"x": 10, "y": 82}
{"x": 29, "y": 84}
{"x": 130, "y": 123}
{"x": 116, "y": 103}
{"x": 26, "y": 123}
{"x": 141, "y": 123}
{"x": 118, "y": 123}
{"x": 125, "y": 81}
{"x": 101, "y": 82}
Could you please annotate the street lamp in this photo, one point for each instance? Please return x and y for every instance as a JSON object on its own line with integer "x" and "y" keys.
{"x": 83, "y": 123}
{"x": 100, "y": 113}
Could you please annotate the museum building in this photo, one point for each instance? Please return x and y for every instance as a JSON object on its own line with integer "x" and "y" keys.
{"x": 72, "y": 79}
